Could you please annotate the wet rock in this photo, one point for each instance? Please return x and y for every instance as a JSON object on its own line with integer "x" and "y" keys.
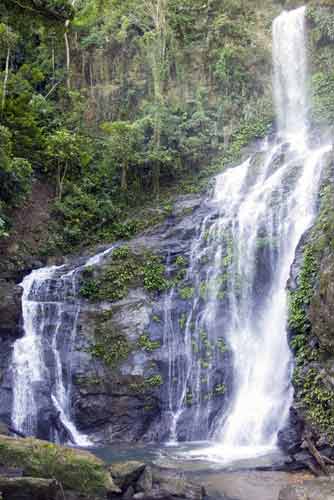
{"x": 28, "y": 488}
{"x": 322, "y": 306}
{"x": 145, "y": 482}
{"x": 129, "y": 493}
{"x": 176, "y": 485}
{"x": 317, "y": 489}
{"x": 291, "y": 436}
{"x": 125, "y": 474}
{"x": 152, "y": 483}
{"x": 121, "y": 397}
{"x": 4, "y": 430}
{"x": 10, "y": 310}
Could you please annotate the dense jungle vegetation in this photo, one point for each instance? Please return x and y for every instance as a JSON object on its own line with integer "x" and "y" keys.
{"x": 114, "y": 102}
{"x": 117, "y": 104}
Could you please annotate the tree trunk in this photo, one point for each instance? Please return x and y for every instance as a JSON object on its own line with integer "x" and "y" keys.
{"x": 124, "y": 180}
{"x": 67, "y": 50}
{"x": 4, "y": 88}
{"x": 156, "y": 166}
{"x": 53, "y": 58}
{"x": 68, "y": 56}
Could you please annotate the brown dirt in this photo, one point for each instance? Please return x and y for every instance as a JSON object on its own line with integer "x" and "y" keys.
{"x": 30, "y": 222}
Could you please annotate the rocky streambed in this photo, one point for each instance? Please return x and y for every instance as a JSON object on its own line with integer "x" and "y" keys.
{"x": 38, "y": 470}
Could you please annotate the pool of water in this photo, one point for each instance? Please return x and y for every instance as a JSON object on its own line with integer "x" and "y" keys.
{"x": 240, "y": 474}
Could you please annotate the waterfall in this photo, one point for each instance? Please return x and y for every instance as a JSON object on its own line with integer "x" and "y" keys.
{"x": 263, "y": 207}
{"x": 41, "y": 362}
{"x": 290, "y": 74}
{"x": 228, "y": 373}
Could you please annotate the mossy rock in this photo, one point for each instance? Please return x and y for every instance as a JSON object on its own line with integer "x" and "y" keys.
{"x": 76, "y": 470}
{"x": 126, "y": 474}
{"x": 29, "y": 488}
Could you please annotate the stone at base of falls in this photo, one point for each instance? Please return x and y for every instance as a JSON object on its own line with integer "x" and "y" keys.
{"x": 81, "y": 474}
{"x": 291, "y": 436}
{"x": 29, "y": 488}
{"x": 317, "y": 489}
{"x": 145, "y": 482}
{"x": 125, "y": 474}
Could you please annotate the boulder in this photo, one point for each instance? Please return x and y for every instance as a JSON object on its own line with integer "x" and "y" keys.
{"x": 29, "y": 488}
{"x": 176, "y": 485}
{"x": 126, "y": 474}
{"x": 76, "y": 470}
{"x": 4, "y": 430}
{"x": 145, "y": 482}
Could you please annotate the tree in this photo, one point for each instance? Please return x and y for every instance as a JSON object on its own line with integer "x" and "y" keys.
{"x": 67, "y": 50}
{"x": 67, "y": 152}
{"x": 59, "y": 10}
{"x": 124, "y": 140}
{"x": 152, "y": 18}
{"x": 8, "y": 40}
{"x": 15, "y": 173}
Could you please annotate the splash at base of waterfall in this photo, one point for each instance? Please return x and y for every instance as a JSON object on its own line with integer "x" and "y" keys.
{"x": 228, "y": 455}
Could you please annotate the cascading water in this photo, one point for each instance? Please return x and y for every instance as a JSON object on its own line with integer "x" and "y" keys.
{"x": 41, "y": 363}
{"x": 264, "y": 206}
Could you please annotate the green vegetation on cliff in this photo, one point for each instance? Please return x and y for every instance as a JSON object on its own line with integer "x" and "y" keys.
{"x": 310, "y": 341}
{"x": 116, "y": 102}
{"x": 125, "y": 270}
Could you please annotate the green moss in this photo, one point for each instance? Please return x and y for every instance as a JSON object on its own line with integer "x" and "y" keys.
{"x": 75, "y": 470}
{"x": 154, "y": 275}
{"x": 111, "y": 354}
{"x": 147, "y": 344}
{"x": 154, "y": 381}
{"x": 189, "y": 397}
{"x": 186, "y": 293}
{"x": 219, "y": 390}
{"x": 147, "y": 384}
{"x": 182, "y": 321}
{"x": 194, "y": 346}
{"x": 203, "y": 290}
{"x": 300, "y": 299}
{"x": 125, "y": 271}
{"x": 318, "y": 400}
{"x": 221, "y": 346}
{"x": 181, "y": 261}
{"x": 110, "y": 346}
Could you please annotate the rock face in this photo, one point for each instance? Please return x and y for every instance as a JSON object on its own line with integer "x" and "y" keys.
{"x": 321, "y": 311}
{"x": 10, "y": 330}
{"x": 311, "y": 331}
{"x": 124, "y": 363}
{"x": 124, "y": 395}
